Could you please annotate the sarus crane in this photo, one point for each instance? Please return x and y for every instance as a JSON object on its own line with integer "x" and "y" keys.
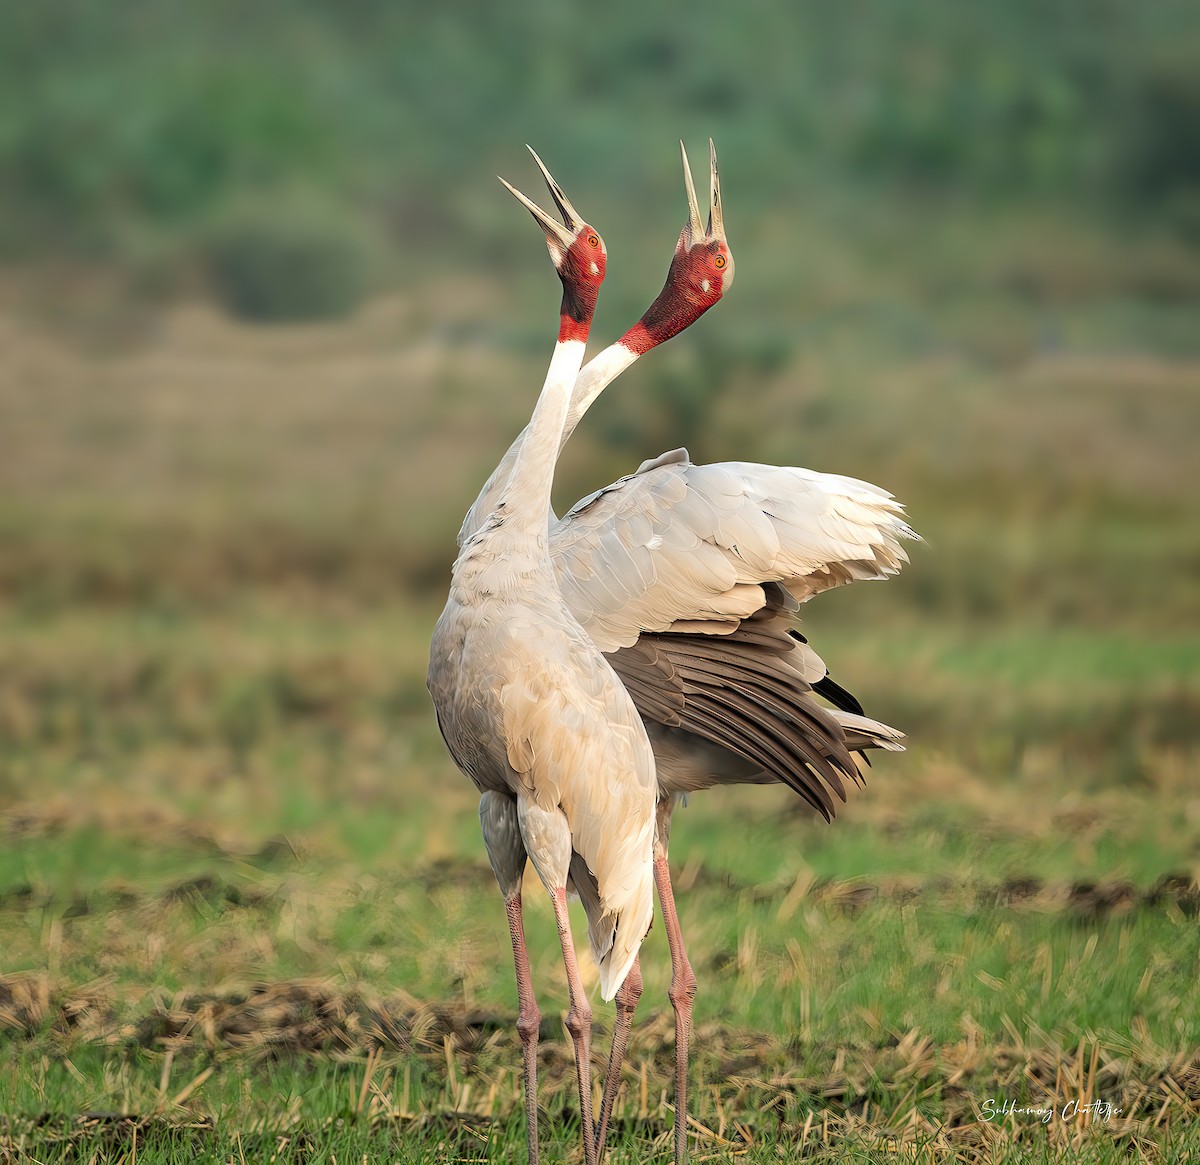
{"x": 589, "y": 671}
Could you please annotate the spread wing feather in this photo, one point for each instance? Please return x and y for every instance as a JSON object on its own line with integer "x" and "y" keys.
{"x": 747, "y": 693}
{"x": 689, "y": 547}
{"x": 686, "y": 576}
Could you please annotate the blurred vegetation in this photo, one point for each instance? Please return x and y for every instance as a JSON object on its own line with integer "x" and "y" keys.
{"x": 270, "y": 262}
{"x": 128, "y": 127}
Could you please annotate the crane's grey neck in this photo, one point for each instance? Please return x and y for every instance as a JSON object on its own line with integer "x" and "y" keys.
{"x": 525, "y": 502}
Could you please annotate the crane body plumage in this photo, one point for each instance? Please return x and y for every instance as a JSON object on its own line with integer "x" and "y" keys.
{"x": 532, "y": 712}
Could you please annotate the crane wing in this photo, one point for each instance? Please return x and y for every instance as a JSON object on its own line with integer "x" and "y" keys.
{"x": 687, "y": 577}
{"x": 751, "y": 693}
{"x": 687, "y": 548}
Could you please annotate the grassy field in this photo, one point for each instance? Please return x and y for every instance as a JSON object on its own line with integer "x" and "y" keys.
{"x": 245, "y": 913}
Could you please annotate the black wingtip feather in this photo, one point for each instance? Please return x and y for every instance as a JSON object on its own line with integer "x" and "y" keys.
{"x": 838, "y": 696}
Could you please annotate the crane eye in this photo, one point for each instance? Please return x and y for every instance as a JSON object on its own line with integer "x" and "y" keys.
{"x": 593, "y": 240}
{"x": 719, "y": 262}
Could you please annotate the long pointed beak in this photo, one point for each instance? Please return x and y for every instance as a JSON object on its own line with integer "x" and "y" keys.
{"x": 559, "y": 235}
{"x": 569, "y": 214}
{"x": 695, "y": 232}
{"x": 716, "y": 218}
{"x": 695, "y": 225}
{"x": 556, "y": 233}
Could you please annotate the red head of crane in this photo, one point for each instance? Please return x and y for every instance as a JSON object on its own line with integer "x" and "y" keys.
{"x": 701, "y": 271}
{"x": 578, "y": 254}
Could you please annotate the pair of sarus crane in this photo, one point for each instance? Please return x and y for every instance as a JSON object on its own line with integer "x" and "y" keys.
{"x": 589, "y": 671}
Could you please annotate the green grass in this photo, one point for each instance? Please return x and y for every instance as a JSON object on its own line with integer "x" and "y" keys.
{"x": 854, "y": 928}
{"x": 346, "y": 1111}
{"x": 396, "y": 1110}
{"x": 202, "y": 799}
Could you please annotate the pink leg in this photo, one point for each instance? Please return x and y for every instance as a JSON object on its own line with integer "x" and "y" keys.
{"x": 528, "y": 1020}
{"x": 682, "y": 993}
{"x": 626, "y": 1000}
{"x": 579, "y": 1024}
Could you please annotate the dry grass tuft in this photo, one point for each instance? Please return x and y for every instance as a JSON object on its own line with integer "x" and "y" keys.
{"x": 904, "y": 1090}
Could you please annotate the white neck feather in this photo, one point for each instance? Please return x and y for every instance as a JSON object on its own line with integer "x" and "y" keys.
{"x": 596, "y": 376}
{"x": 525, "y": 502}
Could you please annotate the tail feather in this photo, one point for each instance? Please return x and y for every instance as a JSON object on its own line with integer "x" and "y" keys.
{"x": 863, "y": 732}
{"x": 615, "y": 936}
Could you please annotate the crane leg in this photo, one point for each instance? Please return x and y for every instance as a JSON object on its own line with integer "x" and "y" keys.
{"x": 682, "y": 993}
{"x": 626, "y": 1001}
{"x": 529, "y": 1020}
{"x": 579, "y": 1024}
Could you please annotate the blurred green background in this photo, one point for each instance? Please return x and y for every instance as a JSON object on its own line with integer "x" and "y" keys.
{"x": 960, "y": 230}
{"x": 267, "y": 321}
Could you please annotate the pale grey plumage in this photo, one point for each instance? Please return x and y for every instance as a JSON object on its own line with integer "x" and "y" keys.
{"x": 676, "y": 544}
{"x": 688, "y": 550}
{"x": 687, "y": 576}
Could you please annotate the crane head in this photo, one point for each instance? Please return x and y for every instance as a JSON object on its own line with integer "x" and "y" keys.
{"x": 702, "y": 269}
{"x": 575, "y": 247}
{"x": 577, "y": 251}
